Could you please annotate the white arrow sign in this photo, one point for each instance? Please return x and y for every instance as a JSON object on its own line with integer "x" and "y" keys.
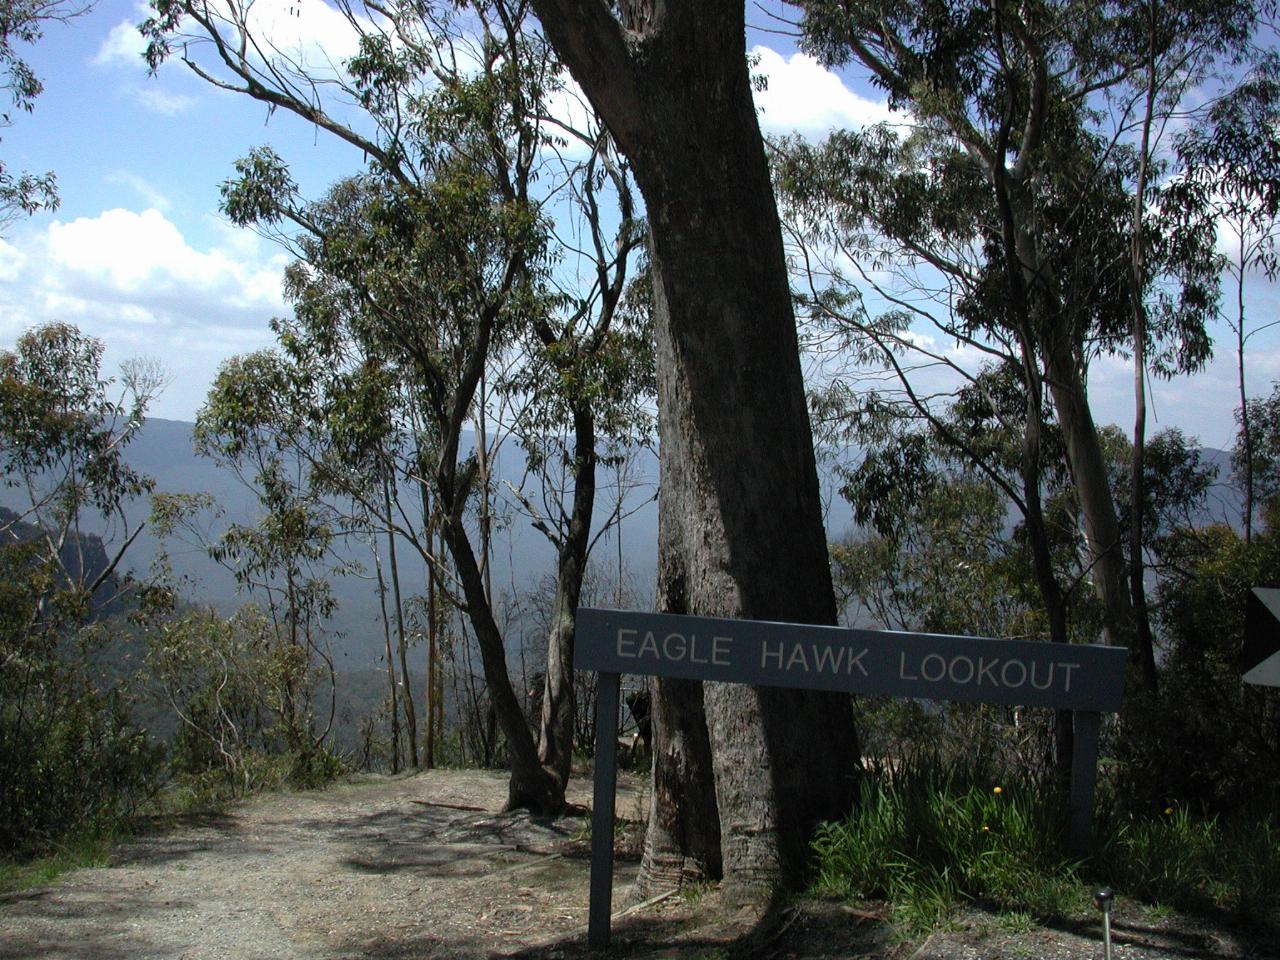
{"x": 1260, "y": 660}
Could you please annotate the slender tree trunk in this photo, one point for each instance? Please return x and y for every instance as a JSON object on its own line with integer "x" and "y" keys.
{"x": 617, "y": 599}
{"x": 1138, "y": 494}
{"x": 1018, "y": 252}
{"x": 1138, "y": 310}
{"x": 740, "y": 529}
{"x": 1050, "y": 328}
{"x": 555, "y": 735}
{"x": 482, "y": 475}
{"x": 391, "y": 664}
{"x": 431, "y": 690}
{"x": 1051, "y": 595}
{"x": 1246, "y": 431}
{"x": 532, "y": 786}
{"x": 439, "y": 609}
{"x": 491, "y": 735}
{"x": 410, "y": 714}
{"x": 1056, "y": 336}
{"x": 1110, "y": 572}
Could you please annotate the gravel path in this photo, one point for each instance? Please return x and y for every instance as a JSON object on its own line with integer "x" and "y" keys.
{"x": 389, "y": 868}
{"x": 424, "y": 867}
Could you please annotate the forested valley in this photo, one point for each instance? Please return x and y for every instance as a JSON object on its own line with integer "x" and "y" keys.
{"x": 576, "y": 334}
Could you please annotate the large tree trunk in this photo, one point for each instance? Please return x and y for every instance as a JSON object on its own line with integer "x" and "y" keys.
{"x": 740, "y": 529}
{"x": 682, "y": 843}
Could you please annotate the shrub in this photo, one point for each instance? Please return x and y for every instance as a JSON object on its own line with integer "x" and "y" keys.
{"x": 1213, "y": 742}
{"x": 71, "y": 763}
{"x": 242, "y": 697}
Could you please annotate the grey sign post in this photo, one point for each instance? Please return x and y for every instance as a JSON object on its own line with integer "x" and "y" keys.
{"x": 1086, "y": 679}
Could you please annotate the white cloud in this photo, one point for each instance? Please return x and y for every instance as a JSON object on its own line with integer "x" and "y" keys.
{"x": 569, "y": 105}
{"x": 1202, "y": 405}
{"x": 240, "y": 243}
{"x": 162, "y": 101}
{"x": 135, "y": 281}
{"x": 124, "y": 45}
{"x": 11, "y": 261}
{"x": 123, "y": 48}
{"x": 310, "y": 32}
{"x": 132, "y": 255}
{"x": 802, "y": 96}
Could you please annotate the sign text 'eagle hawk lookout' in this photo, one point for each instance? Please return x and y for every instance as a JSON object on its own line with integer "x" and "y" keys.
{"x": 1086, "y": 679}
{"x": 869, "y": 662}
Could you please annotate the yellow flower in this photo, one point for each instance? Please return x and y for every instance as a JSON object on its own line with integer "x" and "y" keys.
{"x": 985, "y": 828}
{"x": 997, "y": 790}
{"x": 1168, "y": 811}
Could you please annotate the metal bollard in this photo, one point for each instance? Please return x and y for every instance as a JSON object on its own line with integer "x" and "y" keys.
{"x": 1102, "y": 900}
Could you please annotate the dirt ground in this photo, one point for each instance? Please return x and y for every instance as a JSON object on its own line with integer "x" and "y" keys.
{"x": 425, "y": 867}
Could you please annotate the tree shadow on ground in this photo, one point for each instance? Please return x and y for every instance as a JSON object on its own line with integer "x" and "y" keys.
{"x": 441, "y": 842}
{"x": 112, "y": 916}
{"x": 157, "y": 839}
{"x": 714, "y": 928}
{"x": 1220, "y": 935}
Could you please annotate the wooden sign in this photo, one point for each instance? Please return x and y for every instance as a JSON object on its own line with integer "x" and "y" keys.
{"x": 1086, "y": 679}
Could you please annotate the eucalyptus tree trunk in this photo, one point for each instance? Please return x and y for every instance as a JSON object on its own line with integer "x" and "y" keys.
{"x": 1144, "y": 641}
{"x": 740, "y": 524}
{"x": 1052, "y": 596}
{"x": 1246, "y": 427}
{"x": 555, "y": 732}
{"x": 1058, "y": 342}
{"x": 410, "y": 713}
{"x": 532, "y": 786}
{"x": 433, "y": 690}
{"x": 1110, "y": 573}
{"x": 391, "y": 663}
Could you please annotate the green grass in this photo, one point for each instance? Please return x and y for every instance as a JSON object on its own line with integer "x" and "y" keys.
{"x": 1016, "y": 922}
{"x": 88, "y": 851}
{"x": 693, "y": 891}
{"x": 1199, "y": 863}
{"x": 928, "y": 836}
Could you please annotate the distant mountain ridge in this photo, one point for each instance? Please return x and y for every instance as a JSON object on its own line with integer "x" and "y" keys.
{"x": 163, "y": 449}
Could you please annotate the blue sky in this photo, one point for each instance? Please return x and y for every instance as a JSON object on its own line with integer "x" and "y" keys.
{"x": 138, "y": 255}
